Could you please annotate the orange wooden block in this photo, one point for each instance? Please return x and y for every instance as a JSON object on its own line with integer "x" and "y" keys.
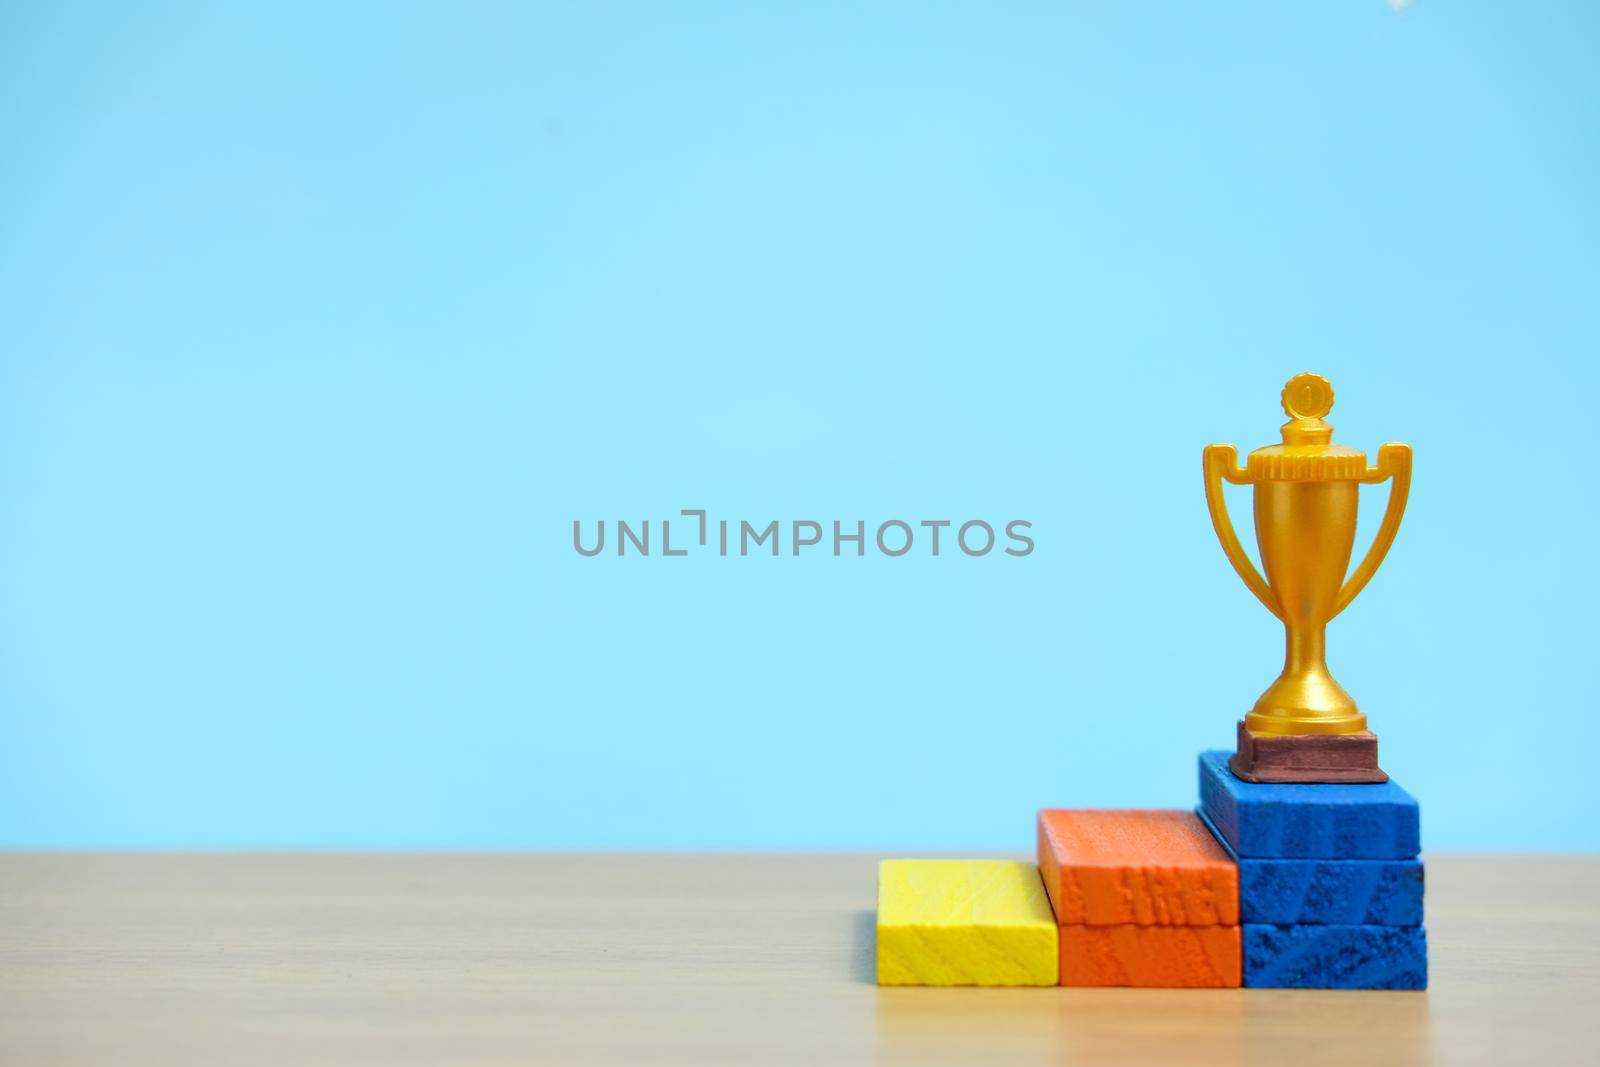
{"x": 1153, "y": 868}
{"x": 1170, "y": 957}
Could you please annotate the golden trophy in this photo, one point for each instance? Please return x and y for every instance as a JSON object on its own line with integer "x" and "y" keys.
{"x": 1305, "y": 727}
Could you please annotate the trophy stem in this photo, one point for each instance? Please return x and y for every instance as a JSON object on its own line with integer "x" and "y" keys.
{"x": 1305, "y": 699}
{"x": 1306, "y": 647}
{"x": 1305, "y": 728}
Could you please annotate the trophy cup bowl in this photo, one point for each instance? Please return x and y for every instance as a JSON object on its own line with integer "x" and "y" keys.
{"x": 1305, "y": 727}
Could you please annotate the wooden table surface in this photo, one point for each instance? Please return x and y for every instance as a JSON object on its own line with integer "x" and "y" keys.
{"x": 486, "y": 959}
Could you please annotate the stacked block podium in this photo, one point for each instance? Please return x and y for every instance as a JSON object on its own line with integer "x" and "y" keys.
{"x": 1330, "y": 887}
{"x": 1265, "y": 886}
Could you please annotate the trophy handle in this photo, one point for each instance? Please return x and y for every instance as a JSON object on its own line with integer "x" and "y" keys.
{"x": 1394, "y": 461}
{"x": 1221, "y": 463}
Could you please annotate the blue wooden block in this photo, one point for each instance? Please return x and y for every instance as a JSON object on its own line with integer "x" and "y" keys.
{"x": 1334, "y": 822}
{"x": 1335, "y": 957}
{"x": 1376, "y": 892}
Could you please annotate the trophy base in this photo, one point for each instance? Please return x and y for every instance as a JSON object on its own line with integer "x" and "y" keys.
{"x": 1306, "y": 757}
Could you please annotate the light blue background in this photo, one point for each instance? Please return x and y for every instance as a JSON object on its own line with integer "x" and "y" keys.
{"x": 321, "y": 323}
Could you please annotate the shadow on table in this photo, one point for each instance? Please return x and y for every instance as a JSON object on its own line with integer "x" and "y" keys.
{"x": 1271, "y": 1027}
{"x": 864, "y": 947}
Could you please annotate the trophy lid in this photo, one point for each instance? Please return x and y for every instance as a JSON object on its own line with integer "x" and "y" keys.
{"x": 1308, "y": 453}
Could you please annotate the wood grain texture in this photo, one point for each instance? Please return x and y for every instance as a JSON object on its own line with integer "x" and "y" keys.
{"x": 495, "y": 960}
{"x": 1367, "y": 892}
{"x": 964, "y": 922}
{"x": 1334, "y": 822}
{"x": 1160, "y": 868}
{"x": 1151, "y": 957}
{"x": 1335, "y": 957}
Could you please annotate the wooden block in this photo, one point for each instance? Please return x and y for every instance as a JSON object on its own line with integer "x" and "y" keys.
{"x": 1286, "y": 892}
{"x": 1323, "y": 821}
{"x": 1335, "y": 957}
{"x": 1174, "y": 957}
{"x": 964, "y": 922}
{"x": 1153, "y": 868}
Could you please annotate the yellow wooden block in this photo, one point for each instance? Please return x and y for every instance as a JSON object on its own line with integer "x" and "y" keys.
{"x": 965, "y": 922}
